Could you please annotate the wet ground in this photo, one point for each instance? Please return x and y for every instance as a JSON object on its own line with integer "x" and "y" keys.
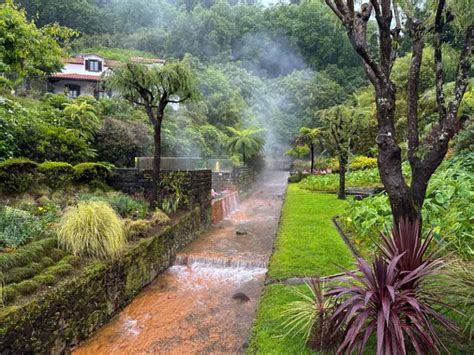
{"x": 207, "y": 301}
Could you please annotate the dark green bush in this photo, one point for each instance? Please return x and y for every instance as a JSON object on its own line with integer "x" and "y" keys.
{"x": 119, "y": 142}
{"x": 17, "y": 175}
{"x": 56, "y": 100}
{"x": 295, "y": 178}
{"x": 91, "y": 173}
{"x": 56, "y": 174}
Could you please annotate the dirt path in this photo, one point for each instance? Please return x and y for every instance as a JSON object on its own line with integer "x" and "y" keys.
{"x": 207, "y": 302}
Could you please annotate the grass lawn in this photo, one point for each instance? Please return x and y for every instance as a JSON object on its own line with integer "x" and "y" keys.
{"x": 307, "y": 243}
{"x": 267, "y": 330}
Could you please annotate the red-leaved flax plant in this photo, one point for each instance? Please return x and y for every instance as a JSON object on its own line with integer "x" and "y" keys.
{"x": 389, "y": 299}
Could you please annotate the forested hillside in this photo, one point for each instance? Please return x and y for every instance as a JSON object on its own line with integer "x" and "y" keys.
{"x": 272, "y": 67}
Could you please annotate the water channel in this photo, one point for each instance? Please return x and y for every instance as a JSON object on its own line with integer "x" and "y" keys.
{"x": 206, "y": 302}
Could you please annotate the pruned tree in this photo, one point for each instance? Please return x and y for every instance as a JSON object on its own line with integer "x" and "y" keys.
{"x": 339, "y": 129}
{"x": 308, "y": 137}
{"x": 424, "y": 153}
{"x": 153, "y": 87}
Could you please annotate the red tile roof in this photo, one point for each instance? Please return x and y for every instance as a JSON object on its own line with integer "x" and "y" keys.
{"x": 76, "y": 76}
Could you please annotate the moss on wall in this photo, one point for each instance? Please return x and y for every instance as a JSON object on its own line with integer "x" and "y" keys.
{"x": 67, "y": 313}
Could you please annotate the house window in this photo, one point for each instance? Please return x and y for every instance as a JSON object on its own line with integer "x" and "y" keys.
{"x": 93, "y": 65}
{"x": 73, "y": 91}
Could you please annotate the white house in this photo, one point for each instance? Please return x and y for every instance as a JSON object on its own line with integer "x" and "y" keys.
{"x": 83, "y": 74}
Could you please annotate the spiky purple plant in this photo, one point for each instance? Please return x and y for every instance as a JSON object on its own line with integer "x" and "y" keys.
{"x": 389, "y": 298}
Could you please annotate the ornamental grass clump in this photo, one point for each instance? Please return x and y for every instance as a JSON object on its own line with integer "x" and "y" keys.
{"x": 394, "y": 298}
{"x": 310, "y": 317}
{"x": 92, "y": 228}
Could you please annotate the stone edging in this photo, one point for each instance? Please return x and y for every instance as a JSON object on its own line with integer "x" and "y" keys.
{"x": 344, "y": 237}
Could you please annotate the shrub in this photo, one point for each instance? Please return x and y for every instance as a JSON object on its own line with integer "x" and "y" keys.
{"x": 120, "y": 142}
{"x": 137, "y": 229}
{"x": 310, "y": 317}
{"x": 160, "y": 218}
{"x": 55, "y": 100}
{"x": 295, "y": 177}
{"x": 92, "y": 229}
{"x": 17, "y": 175}
{"x": 42, "y": 141}
{"x": 56, "y": 174}
{"x": 361, "y": 163}
{"x": 392, "y": 299}
{"x": 330, "y": 182}
{"x": 448, "y": 197}
{"x": 17, "y": 227}
{"x": 127, "y": 206}
{"x": 91, "y": 173}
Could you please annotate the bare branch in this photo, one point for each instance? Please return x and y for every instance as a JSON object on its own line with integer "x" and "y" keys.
{"x": 438, "y": 56}
{"x": 440, "y": 135}
{"x": 334, "y": 8}
{"x": 178, "y": 101}
{"x": 398, "y": 23}
{"x": 464, "y": 67}
{"x": 416, "y": 34}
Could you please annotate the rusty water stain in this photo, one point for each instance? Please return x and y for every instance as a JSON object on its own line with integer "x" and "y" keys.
{"x": 205, "y": 303}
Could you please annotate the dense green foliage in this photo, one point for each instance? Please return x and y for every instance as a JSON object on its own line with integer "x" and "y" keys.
{"x": 91, "y": 173}
{"x": 56, "y": 174}
{"x": 17, "y": 175}
{"x": 124, "y": 205}
{"x": 330, "y": 182}
{"x": 17, "y": 227}
{"x": 449, "y": 197}
{"x": 266, "y": 76}
{"x": 26, "y": 50}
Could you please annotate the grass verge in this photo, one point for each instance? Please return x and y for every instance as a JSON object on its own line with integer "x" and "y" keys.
{"x": 267, "y": 333}
{"x": 307, "y": 243}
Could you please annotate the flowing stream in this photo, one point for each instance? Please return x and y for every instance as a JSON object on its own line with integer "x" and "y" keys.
{"x": 206, "y": 302}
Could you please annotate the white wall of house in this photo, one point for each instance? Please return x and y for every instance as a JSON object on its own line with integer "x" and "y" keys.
{"x": 87, "y": 87}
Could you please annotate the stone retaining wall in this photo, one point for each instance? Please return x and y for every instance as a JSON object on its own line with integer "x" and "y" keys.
{"x": 56, "y": 319}
{"x": 59, "y": 318}
{"x": 198, "y": 183}
{"x": 241, "y": 177}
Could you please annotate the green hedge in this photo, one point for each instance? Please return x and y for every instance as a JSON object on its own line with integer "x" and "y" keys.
{"x": 17, "y": 175}
{"x": 91, "y": 173}
{"x": 56, "y": 174}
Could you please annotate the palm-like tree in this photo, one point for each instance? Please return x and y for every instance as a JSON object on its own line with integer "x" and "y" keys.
{"x": 82, "y": 116}
{"x": 309, "y": 136}
{"x": 245, "y": 142}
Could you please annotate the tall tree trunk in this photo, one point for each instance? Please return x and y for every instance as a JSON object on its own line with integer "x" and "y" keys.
{"x": 243, "y": 154}
{"x": 312, "y": 158}
{"x": 389, "y": 158}
{"x": 342, "y": 176}
{"x": 156, "y": 164}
